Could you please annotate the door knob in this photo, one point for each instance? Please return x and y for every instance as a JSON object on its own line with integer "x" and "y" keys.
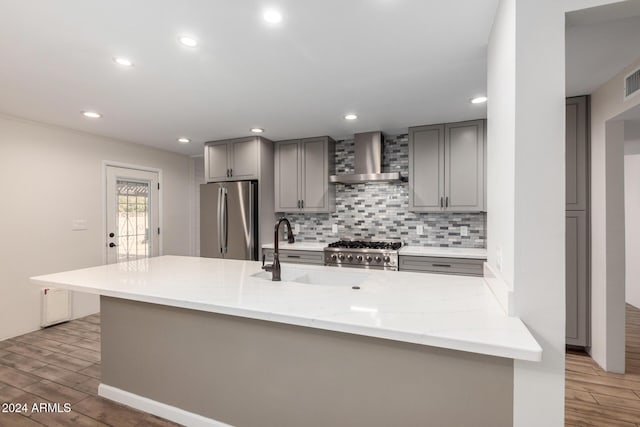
{"x": 112, "y": 245}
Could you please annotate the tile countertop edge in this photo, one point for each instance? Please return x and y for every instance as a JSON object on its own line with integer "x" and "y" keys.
{"x": 533, "y": 354}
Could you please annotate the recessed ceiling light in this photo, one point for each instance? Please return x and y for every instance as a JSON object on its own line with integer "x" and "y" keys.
{"x": 479, "y": 100}
{"x": 350, "y": 117}
{"x": 91, "y": 114}
{"x": 257, "y": 130}
{"x": 188, "y": 41}
{"x": 272, "y": 16}
{"x": 125, "y": 62}
{"x": 184, "y": 140}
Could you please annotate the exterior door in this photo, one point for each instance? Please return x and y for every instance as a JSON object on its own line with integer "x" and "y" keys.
{"x": 132, "y": 216}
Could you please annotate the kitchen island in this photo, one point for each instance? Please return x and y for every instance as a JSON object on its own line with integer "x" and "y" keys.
{"x": 208, "y": 341}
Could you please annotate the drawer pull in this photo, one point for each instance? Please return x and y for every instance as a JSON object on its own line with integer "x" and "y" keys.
{"x": 441, "y": 265}
{"x": 292, "y": 256}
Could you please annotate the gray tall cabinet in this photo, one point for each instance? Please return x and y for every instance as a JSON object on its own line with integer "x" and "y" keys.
{"x": 577, "y": 222}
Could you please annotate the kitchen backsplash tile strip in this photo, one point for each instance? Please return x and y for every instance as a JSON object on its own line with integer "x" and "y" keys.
{"x": 381, "y": 210}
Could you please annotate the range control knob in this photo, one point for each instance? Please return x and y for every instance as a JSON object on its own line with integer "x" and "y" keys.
{"x": 378, "y": 259}
{"x": 387, "y": 259}
{"x": 334, "y": 257}
{"x": 350, "y": 257}
{"x": 369, "y": 258}
{"x": 341, "y": 257}
{"x": 359, "y": 258}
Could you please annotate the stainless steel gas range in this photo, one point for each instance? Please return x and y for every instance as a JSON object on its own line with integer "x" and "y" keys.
{"x": 379, "y": 255}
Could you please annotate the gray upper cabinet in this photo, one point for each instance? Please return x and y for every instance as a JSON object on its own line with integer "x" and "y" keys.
{"x": 302, "y": 169}
{"x": 447, "y": 167}
{"x": 426, "y": 168}
{"x": 232, "y": 160}
{"x": 576, "y": 153}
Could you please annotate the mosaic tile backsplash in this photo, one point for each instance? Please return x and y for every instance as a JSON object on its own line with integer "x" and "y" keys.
{"x": 381, "y": 210}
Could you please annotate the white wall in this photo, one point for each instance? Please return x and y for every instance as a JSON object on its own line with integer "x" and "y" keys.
{"x": 632, "y": 211}
{"x": 526, "y": 191}
{"x": 607, "y": 222}
{"x": 50, "y": 176}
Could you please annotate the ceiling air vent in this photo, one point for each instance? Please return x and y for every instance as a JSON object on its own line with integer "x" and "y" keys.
{"x": 632, "y": 84}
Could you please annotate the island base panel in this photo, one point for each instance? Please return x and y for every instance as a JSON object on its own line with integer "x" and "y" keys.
{"x": 247, "y": 372}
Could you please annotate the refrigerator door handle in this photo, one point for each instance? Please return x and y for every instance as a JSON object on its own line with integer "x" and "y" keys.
{"x": 219, "y": 223}
{"x": 225, "y": 223}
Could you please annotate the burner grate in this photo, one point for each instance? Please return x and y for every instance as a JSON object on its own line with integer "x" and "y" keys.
{"x": 365, "y": 244}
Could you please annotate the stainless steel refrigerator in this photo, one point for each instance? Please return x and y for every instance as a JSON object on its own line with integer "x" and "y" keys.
{"x": 229, "y": 220}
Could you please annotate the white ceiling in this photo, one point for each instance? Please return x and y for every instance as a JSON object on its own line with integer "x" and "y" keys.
{"x": 395, "y": 63}
{"x": 600, "y": 42}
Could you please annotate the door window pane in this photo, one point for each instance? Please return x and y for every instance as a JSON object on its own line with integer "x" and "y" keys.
{"x": 133, "y": 220}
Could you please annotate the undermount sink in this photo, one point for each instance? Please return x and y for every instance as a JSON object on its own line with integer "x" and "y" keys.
{"x": 316, "y": 277}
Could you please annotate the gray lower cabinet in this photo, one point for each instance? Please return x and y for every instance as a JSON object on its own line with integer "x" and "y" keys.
{"x": 464, "y": 266}
{"x": 232, "y": 160}
{"x": 296, "y": 257}
{"x": 302, "y": 170}
{"x": 577, "y": 273}
{"x": 447, "y": 167}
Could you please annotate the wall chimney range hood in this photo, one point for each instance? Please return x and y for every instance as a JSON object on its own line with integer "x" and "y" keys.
{"x": 367, "y": 162}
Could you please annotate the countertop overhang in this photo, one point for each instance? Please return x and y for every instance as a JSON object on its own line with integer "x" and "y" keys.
{"x": 446, "y": 311}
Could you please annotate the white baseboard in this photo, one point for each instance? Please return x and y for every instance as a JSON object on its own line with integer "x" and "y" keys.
{"x": 501, "y": 290}
{"x": 160, "y": 409}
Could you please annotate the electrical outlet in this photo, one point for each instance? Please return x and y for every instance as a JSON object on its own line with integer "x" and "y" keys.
{"x": 420, "y": 229}
{"x": 334, "y": 228}
{"x": 464, "y": 230}
{"x": 296, "y": 228}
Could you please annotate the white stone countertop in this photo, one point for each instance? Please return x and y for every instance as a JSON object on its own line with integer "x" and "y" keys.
{"x": 452, "y": 312}
{"x": 434, "y": 251}
{"x": 298, "y": 246}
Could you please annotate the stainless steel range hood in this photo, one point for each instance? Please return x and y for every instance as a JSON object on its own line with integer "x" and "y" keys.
{"x": 367, "y": 162}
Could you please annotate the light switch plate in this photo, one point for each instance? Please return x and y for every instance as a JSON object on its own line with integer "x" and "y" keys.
{"x": 334, "y": 228}
{"x": 79, "y": 225}
{"x": 419, "y": 229}
{"x": 464, "y": 230}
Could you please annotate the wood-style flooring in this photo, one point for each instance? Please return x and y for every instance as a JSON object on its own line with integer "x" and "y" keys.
{"x": 61, "y": 364}
{"x": 597, "y": 398}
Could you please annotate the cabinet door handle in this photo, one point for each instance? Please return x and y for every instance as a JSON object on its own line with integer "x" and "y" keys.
{"x": 302, "y": 203}
{"x": 446, "y": 202}
{"x": 298, "y": 204}
{"x": 230, "y": 172}
{"x": 441, "y": 202}
{"x": 441, "y": 265}
{"x": 227, "y": 173}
